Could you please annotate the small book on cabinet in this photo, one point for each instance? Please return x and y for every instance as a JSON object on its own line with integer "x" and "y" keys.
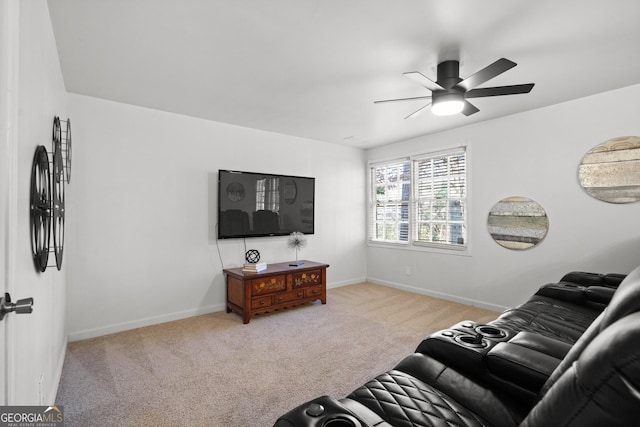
{"x": 255, "y": 268}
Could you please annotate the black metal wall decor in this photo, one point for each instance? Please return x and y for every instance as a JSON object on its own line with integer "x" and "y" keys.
{"x": 40, "y": 213}
{"x": 62, "y": 136}
{"x": 58, "y": 210}
{"x": 47, "y": 198}
{"x": 66, "y": 150}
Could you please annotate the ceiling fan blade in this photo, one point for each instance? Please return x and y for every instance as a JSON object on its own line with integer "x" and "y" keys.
{"x": 420, "y": 78}
{"x": 469, "y": 108}
{"x": 487, "y": 73}
{"x": 402, "y": 99}
{"x": 499, "y": 90}
{"x": 417, "y": 112}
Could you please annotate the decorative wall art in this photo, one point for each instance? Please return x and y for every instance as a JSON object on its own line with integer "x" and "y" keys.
{"x": 40, "y": 210}
{"x": 611, "y": 171}
{"x": 66, "y": 149}
{"x": 517, "y": 223}
{"x": 47, "y": 198}
{"x": 58, "y": 201}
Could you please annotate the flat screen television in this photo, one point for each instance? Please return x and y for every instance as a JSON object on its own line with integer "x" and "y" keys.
{"x": 252, "y": 204}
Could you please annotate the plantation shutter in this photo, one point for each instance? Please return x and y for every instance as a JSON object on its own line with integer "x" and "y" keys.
{"x": 440, "y": 199}
{"x": 390, "y": 202}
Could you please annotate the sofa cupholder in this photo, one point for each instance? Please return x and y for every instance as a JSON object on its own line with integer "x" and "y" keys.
{"x": 471, "y": 340}
{"x": 342, "y": 421}
{"x": 491, "y": 331}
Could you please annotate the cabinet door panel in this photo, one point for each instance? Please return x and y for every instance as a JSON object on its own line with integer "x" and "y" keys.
{"x": 307, "y": 278}
{"x": 267, "y": 285}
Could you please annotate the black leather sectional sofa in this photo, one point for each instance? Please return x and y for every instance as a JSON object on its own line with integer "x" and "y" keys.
{"x": 568, "y": 356}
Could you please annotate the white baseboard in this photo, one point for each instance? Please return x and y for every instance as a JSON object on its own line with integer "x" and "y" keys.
{"x": 346, "y": 282}
{"x": 139, "y": 323}
{"x": 442, "y": 295}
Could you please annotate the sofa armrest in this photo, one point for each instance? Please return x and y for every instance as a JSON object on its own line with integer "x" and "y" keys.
{"x": 542, "y": 344}
{"x": 523, "y": 366}
{"x": 326, "y": 410}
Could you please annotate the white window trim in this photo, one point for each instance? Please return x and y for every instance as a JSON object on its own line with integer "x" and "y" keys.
{"x": 413, "y": 245}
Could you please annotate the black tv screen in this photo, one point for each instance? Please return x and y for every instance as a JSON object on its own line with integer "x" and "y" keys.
{"x": 254, "y": 204}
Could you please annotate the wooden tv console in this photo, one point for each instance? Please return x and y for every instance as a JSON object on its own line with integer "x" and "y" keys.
{"x": 279, "y": 286}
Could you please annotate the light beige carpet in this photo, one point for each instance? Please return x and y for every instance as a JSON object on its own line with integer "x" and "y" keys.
{"x": 212, "y": 370}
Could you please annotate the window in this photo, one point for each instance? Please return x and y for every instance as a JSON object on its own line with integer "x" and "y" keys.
{"x": 420, "y": 201}
{"x": 391, "y": 194}
{"x": 440, "y": 199}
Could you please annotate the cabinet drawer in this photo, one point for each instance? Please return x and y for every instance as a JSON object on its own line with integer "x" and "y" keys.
{"x": 289, "y": 296}
{"x": 307, "y": 278}
{"x": 315, "y": 291}
{"x": 261, "y": 302}
{"x": 268, "y": 284}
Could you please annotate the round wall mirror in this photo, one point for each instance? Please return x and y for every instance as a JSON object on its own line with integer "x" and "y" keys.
{"x": 611, "y": 171}
{"x": 517, "y": 223}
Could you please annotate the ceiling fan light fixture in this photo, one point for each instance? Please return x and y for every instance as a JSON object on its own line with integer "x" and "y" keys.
{"x": 449, "y": 92}
{"x": 448, "y": 104}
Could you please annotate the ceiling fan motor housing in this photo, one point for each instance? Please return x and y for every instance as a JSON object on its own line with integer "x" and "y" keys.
{"x": 449, "y": 74}
{"x": 448, "y": 78}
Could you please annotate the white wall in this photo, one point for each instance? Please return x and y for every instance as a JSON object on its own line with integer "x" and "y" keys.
{"x": 534, "y": 154}
{"x": 35, "y": 343}
{"x": 145, "y": 182}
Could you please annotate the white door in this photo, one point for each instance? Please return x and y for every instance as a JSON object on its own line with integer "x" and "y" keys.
{"x": 9, "y": 31}
{"x": 3, "y": 272}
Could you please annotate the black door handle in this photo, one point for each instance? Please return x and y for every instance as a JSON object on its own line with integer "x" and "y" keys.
{"x": 22, "y": 306}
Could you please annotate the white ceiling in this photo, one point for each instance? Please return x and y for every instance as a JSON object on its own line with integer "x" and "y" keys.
{"x": 312, "y": 68}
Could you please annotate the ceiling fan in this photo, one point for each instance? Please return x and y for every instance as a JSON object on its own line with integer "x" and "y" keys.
{"x": 449, "y": 93}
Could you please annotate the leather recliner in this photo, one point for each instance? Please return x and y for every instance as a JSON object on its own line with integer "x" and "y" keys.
{"x": 597, "y": 383}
